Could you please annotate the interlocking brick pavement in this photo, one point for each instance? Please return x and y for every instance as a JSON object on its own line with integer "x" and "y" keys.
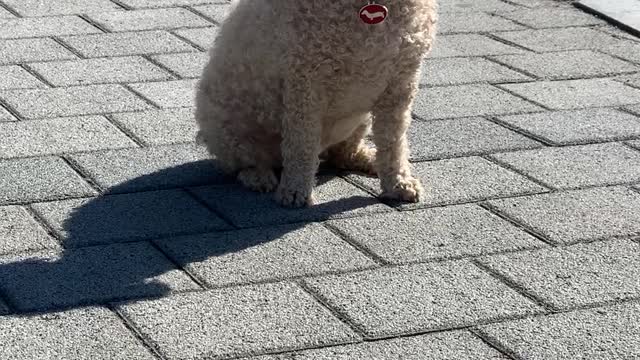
{"x": 120, "y": 238}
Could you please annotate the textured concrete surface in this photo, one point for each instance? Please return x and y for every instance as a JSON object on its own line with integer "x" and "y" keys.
{"x": 121, "y": 238}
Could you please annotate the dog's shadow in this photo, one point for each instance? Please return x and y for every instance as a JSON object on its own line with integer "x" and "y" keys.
{"x": 130, "y": 242}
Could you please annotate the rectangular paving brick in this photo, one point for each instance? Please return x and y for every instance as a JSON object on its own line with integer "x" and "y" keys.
{"x": 78, "y": 100}
{"x": 631, "y": 80}
{"x": 169, "y": 94}
{"x": 595, "y": 334}
{"x": 576, "y": 94}
{"x": 579, "y": 275}
{"x": 164, "y": 167}
{"x": 472, "y": 22}
{"x": 152, "y": 19}
{"x": 130, "y": 43}
{"x": 578, "y": 126}
{"x": 283, "y": 252}
{"x": 45, "y": 26}
{"x": 438, "y": 346}
{"x": 100, "y": 71}
{"x": 15, "y": 77}
{"x": 628, "y": 50}
{"x": 462, "y": 137}
{"x": 5, "y": 115}
{"x": 53, "y": 279}
{"x": 215, "y": 12}
{"x": 82, "y": 334}
{"x": 579, "y": 215}
{"x": 63, "y": 135}
{"x": 166, "y": 3}
{"x": 470, "y": 100}
{"x": 19, "y": 232}
{"x": 187, "y": 65}
{"x": 237, "y": 321}
{"x": 27, "y": 50}
{"x": 418, "y": 298}
{"x": 572, "y": 38}
{"x": 127, "y": 217}
{"x": 552, "y": 17}
{"x": 56, "y": 7}
{"x": 569, "y": 64}
{"x": 578, "y": 166}
{"x": 435, "y": 234}
{"x": 455, "y": 71}
{"x": 6, "y": 14}
{"x": 470, "y": 45}
{"x": 159, "y": 127}
{"x": 473, "y": 6}
{"x": 202, "y": 37}
{"x": 461, "y": 180}
{"x": 335, "y": 198}
{"x": 41, "y": 179}
{"x": 538, "y": 3}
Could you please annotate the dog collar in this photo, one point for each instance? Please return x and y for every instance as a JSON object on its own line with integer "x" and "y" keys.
{"x": 373, "y": 13}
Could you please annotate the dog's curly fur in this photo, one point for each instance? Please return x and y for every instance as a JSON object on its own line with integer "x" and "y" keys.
{"x": 291, "y": 80}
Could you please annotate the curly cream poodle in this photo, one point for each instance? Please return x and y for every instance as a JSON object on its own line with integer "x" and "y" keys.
{"x": 292, "y": 81}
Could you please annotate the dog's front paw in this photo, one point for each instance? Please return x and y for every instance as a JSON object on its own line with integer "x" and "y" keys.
{"x": 293, "y": 197}
{"x": 407, "y": 189}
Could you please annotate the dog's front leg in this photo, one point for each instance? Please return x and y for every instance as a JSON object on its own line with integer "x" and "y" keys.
{"x": 392, "y": 117}
{"x": 301, "y": 141}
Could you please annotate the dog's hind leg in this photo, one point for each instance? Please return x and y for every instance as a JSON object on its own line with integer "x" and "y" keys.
{"x": 353, "y": 153}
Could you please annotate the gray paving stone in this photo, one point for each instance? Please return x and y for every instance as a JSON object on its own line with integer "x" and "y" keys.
{"x": 469, "y": 100}
{"x": 236, "y": 321}
{"x": 166, "y": 3}
{"x": 45, "y": 26}
{"x": 456, "y": 71}
{"x": 82, "y": 334}
{"x": 63, "y": 135}
{"x": 126, "y": 217}
{"x": 579, "y": 215}
{"x": 435, "y": 234}
{"x": 19, "y": 232}
{"x": 631, "y": 80}
{"x": 4, "y": 309}
{"x": 625, "y": 12}
{"x": 283, "y": 252}
{"x": 569, "y": 64}
{"x": 15, "y": 77}
{"x": 418, "y": 298}
{"x": 58, "y": 7}
{"x": 159, "y": 127}
{"x": 131, "y": 43}
{"x": 187, "y": 65}
{"x": 151, "y": 19}
{"x": 78, "y": 100}
{"x": 5, "y": 115}
{"x": 578, "y": 166}
{"x": 29, "y": 180}
{"x": 579, "y": 126}
{"x": 472, "y": 5}
{"x": 579, "y": 275}
{"x": 216, "y": 12}
{"x": 202, "y": 37}
{"x": 634, "y": 109}
{"x": 5, "y": 14}
{"x": 576, "y": 94}
{"x": 164, "y": 167}
{"x": 462, "y": 137}
{"x": 598, "y": 334}
{"x": 470, "y": 45}
{"x": 538, "y": 3}
{"x": 471, "y": 22}
{"x": 552, "y": 17}
{"x": 439, "y": 346}
{"x": 53, "y": 279}
{"x": 334, "y": 197}
{"x": 26, "y": 50}
{"x": 100, "y": 71}
{"x": 573, "y": 38}
{"x": 169, "y": 94}
{"x": 461, "y": 180}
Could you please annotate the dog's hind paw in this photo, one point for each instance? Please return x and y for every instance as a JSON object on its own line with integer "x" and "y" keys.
{"x": 408, "y": 189}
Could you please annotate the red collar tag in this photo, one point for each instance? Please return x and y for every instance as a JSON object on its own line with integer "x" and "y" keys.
{"x": 373, "y": 13}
